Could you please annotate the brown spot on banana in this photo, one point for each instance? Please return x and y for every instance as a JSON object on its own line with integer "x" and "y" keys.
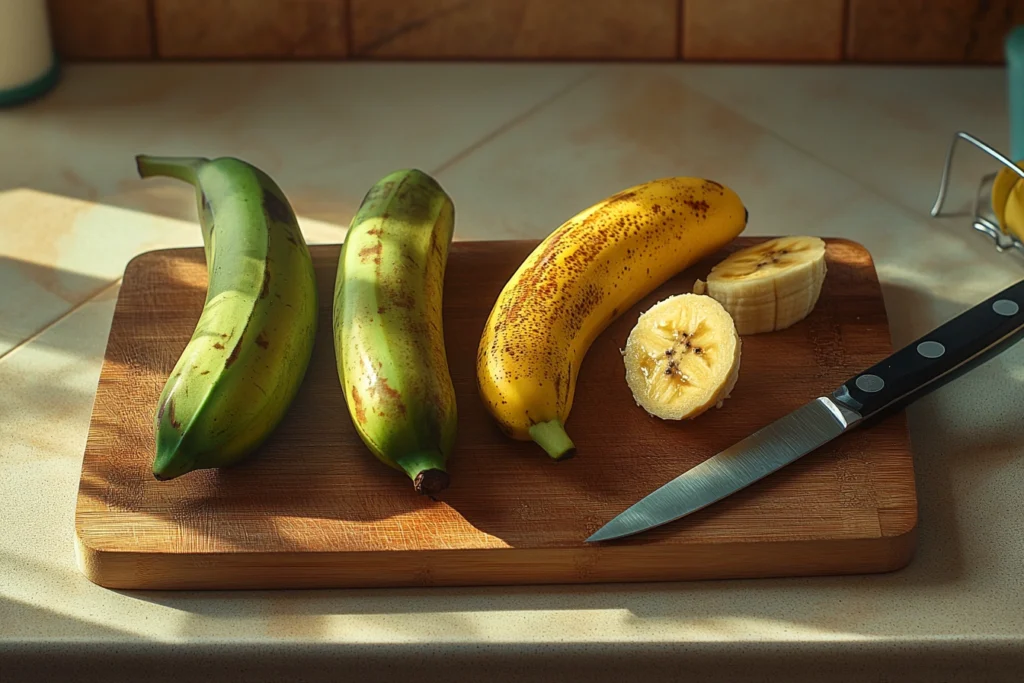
{"x": 367, "y": 254}
{"x": 357, "y": 405}
{"x": 170, "y": 415}
{"x": 395, "y": 297}
{"x": 700, "y": 208}
{"x": 262, "y": 341}
{"x": 388, "y": 394}
{"x": 233, "y": 356}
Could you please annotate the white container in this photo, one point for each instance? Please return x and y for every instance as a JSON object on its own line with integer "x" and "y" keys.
{"x": 28, "y": 65}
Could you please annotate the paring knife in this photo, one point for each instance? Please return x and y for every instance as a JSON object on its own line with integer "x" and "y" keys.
{"x": 940, "y": 356}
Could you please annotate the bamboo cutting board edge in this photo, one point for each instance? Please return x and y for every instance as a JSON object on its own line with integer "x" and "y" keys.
{"x": 891, "y": 548}
{"x": 692, "y": 562}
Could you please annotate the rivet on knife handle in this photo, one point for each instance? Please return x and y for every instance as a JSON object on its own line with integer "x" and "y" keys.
{"x": 938, "y": 357}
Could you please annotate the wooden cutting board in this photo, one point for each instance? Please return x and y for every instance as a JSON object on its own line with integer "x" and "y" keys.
{"x": 314, "y": 509}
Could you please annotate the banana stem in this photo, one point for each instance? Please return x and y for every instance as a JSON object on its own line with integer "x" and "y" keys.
{"x": 182, "y": 168}
{"x": 552, "y": 438}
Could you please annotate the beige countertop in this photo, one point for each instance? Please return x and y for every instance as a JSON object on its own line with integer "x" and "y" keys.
{"x": 837, "y": 151}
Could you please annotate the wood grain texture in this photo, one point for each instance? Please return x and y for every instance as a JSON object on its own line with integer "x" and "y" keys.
{"x": 514, "y": 29}
{"x": 763, "y": 30}
{"x": 314, "y": 509}
{"x": 101, "y": 29}
{"x": 931, "y": 31}
{"x": 241, "y": 29}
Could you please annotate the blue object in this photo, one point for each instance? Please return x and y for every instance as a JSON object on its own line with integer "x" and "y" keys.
{"x": 1015, "y": 85}
{"x": 32, "y": 89}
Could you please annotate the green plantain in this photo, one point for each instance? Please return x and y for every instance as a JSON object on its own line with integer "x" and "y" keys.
{"x": 388, "y": 336}
{"x": 251, "y": 346}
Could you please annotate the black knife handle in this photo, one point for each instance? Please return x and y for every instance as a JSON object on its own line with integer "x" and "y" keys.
{"x": 968, "y": 340}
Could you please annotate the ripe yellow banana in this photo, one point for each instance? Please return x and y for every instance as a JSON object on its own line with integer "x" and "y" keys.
{"x": 252, "y": 343}
{"x": 1008, "y": 201}
{"x": 1013, "y": 214}
{"x": 388, "y": 335}
{"x": 578, "y": 280}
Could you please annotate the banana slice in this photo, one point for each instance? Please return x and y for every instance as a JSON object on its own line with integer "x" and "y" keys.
{"x": 682, "y": 357}
{"x": 769, "y": 286}
{"x": 1012, "y": 222}
{"x": 1007, "y": 183}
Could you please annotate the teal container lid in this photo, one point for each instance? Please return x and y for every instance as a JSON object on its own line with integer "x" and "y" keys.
{"x": 1015, "y": 89}
{"x": 33, "y": 89}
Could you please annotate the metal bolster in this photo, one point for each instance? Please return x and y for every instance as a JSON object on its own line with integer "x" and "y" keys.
{"x": 843, "y": 407}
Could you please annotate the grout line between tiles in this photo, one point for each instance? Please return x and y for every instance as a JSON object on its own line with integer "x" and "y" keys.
{"x": 349, "y": 45}
{"x": 154, "y": 37}
{"x": 680, "y": 26}
{"x": 844, "y": 32}
{"x": 511, "y": 123}
{"x": 38, "y": 333}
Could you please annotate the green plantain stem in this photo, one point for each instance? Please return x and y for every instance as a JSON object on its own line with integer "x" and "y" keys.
{"x": 182, "y": 168}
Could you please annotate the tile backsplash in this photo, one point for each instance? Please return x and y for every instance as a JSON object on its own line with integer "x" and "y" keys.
{"x": 877, "y": 31}
{"x": 514, "y": 29}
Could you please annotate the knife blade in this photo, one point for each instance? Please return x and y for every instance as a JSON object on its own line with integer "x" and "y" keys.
{"x": 755, "y": 457}
{"x": 955, "y": 347}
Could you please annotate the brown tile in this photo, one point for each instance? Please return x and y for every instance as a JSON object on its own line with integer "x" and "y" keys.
{"x": 522, "y": 29}
{"x": 930, "y": 30}
{"x": 762, "y": 30}
{"x": 244, "y": 29}
{"x": 101, "y": 29}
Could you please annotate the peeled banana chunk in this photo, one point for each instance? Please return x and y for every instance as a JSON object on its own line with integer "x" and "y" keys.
{"x": 769, "y": 286}
{"x": 682, "y": 357}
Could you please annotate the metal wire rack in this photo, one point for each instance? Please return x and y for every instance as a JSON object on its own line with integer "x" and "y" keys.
{"x": 984, "y": 214}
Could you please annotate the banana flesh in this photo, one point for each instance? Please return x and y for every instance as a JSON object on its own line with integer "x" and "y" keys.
{"x": 584, "y": 275}
{"x": 1008, "y": 201}
{"x": 682, "y": 357}
{"x": 388, "y": 335}
{"x": 769, "y": 286}
{"x": 1008, "y": 195}
{"x": 251, "y": 346}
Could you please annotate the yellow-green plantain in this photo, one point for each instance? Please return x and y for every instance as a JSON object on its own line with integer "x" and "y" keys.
{"x": 252, "y": 343}
{"x": 388, "y": 335}
{"x": 581, "y": 277}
